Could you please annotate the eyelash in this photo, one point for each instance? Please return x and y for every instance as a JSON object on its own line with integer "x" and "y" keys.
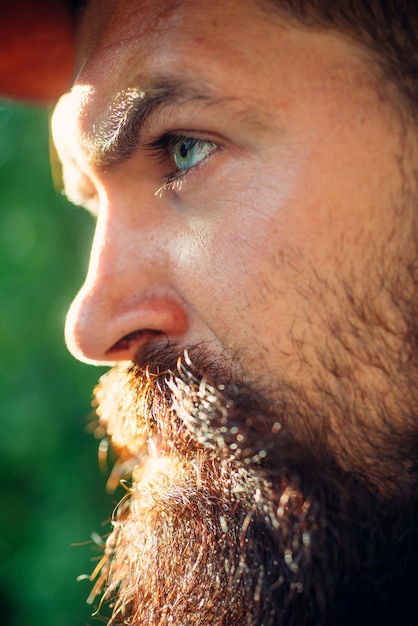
{"x": 162, "y": 148}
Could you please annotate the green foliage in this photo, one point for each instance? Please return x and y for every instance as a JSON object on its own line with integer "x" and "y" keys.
{"x": 51, "y": 491}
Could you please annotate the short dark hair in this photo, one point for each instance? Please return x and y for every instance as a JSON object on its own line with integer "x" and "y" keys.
{"x": 387, "y": 28}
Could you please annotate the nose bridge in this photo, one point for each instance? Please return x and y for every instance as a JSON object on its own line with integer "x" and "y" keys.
{"x": 127, "y": 291}
{"x": 130, "y": 244}
{"x": 116, "y": 248}
{"x": 98, "y": 250}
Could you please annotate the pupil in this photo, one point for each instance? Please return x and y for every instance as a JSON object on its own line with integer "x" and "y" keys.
{"x": 184, "y": 148}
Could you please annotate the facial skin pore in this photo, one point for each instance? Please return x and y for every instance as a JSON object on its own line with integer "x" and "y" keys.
{"x": 284, "y": 252}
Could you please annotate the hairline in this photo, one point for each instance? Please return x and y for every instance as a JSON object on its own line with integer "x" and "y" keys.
{"x": 316, "y": 16}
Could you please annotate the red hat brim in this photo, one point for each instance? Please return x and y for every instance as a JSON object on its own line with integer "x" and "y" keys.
{"x": 36, "y": 49}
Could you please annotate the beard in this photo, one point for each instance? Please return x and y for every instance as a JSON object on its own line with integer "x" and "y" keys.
{"x": 235, "y": 515}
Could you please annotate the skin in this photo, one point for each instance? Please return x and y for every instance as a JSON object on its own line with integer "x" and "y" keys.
{"x": 249, "y": 255}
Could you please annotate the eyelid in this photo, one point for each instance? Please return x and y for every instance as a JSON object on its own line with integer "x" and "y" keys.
{"x": 172, "y": 138}
{"x": 161, "y": 147}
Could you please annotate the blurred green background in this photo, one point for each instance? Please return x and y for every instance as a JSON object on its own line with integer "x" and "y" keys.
{"x": 52, "y": 493}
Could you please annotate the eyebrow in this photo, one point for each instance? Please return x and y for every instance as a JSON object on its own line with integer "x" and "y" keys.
{"x": 117, "y": 136}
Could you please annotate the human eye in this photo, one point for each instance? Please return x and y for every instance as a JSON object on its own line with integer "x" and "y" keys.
{"x": 182, "y": 153}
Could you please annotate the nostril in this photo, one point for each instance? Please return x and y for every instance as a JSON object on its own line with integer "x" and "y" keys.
{"x": 107, "y": 323}
{"x": 135, "y": 340}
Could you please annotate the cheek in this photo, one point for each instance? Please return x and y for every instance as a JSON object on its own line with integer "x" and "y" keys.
{"x": 234, "y": 263}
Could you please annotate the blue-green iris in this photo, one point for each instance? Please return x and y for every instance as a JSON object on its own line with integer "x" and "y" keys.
{"x": 188, "y": 152}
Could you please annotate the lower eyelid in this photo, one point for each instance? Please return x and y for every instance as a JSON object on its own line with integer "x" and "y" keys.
{"x": 175, "y": 180}
{"x": 182, "y": 173}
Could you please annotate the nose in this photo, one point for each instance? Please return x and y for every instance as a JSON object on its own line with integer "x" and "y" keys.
{"x": 127, "y": 301}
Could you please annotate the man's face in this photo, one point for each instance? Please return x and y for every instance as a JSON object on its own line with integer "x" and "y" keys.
{"x": 254, "y": 189}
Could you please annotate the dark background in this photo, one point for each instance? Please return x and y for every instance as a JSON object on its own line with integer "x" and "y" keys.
{"x": 52, "y": 493}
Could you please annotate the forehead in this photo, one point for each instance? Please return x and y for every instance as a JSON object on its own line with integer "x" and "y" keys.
{"x": 104, "y": 20}
{"x": 240, "y": 51}
{"x": 171, "y": 35}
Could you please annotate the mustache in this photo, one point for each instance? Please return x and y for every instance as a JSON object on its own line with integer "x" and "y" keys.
{"x": 194, "y": 402}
